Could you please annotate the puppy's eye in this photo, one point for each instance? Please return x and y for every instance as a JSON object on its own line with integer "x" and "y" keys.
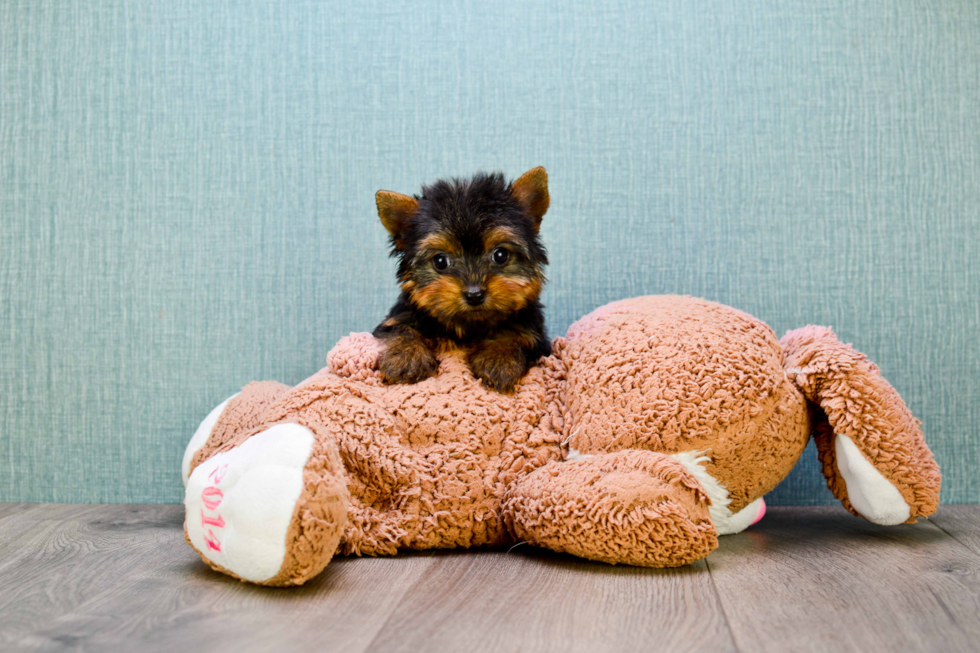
{"x": 500, "y": 256}
{"x": 440, "y": 261}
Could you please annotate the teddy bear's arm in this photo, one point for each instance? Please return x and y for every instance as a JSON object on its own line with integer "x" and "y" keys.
{"x": 873, "y": 452}
{"x": 633, "y": 507}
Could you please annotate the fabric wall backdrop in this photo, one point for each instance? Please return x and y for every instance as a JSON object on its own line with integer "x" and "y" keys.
{"x": 187, "y": 194}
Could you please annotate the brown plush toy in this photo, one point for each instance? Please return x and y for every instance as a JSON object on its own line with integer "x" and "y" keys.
{"x": 657, "y": 424}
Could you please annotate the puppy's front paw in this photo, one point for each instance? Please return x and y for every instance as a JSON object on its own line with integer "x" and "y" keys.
{"x": 499, "y": 370}
{"x": 407, "y": 361}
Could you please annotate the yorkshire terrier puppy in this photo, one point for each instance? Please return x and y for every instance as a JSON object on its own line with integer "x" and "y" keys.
{"x": 471, "y": 269}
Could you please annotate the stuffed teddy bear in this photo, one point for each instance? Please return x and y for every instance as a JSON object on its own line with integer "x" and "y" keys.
{"x": 656, "y": 425}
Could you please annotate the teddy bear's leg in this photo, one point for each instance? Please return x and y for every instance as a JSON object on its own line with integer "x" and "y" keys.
{"x": 634, "y": 507}
{"x": 235, "y": 415}
{"x": 271, "y": 507}
{"x": 873, "y": 453}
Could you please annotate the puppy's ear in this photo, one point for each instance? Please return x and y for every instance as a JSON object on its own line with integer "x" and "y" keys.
{"x": 395, "y": 209}
{"x": 531, "y": 190}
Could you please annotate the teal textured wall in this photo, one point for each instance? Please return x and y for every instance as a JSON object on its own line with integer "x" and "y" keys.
{"x": 186, "y": 191}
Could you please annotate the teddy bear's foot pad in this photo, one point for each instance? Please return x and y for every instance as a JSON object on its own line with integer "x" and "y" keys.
{"x": 871, "y": 494}
{"x": 240, "y": 503}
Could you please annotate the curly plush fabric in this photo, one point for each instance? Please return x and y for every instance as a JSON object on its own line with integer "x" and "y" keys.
{"x": 678, "y": 374}
{"x": 653, "y": 421}
{"x": 857, "y": 402}
{"x": 320, "y": 514}
{"x": 427, "y": 464}
{"x": 634, "y": 507}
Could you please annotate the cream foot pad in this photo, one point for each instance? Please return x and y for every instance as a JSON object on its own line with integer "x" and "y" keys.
{"x": 240, "y": 503}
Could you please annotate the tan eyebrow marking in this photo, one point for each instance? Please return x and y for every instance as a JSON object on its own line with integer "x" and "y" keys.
{"x": 498, "y": 236}
{"x": 441, "y": 242}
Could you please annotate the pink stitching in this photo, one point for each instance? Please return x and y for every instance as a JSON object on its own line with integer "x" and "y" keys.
{"x": 211, "y": 496}
{"x": 220, "y": 477}
{"x": 211, "y": 521}
{"x": 212, "y": 542}
{"x": 207, "y": 497}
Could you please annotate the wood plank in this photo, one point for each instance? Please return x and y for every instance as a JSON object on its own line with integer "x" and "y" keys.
{"x": 55, "y": 556}
{"x": 534, "y": 600}
{"x": 14, "y": 508}
{"x": 962, "y": 523}
{"x": 178, "y": 603}
{"x": 821, "y": 579}
{"x": 20, "y": 518}
{"x": 23, "y": 529}
{"x": 115, "y": 578}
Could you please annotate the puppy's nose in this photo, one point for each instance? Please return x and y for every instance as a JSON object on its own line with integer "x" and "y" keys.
{"x": 474, "y": 295}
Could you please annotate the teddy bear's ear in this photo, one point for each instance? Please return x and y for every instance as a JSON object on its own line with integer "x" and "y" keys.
{"x": 531, "y": 190}
{"x": 395, "y": 209}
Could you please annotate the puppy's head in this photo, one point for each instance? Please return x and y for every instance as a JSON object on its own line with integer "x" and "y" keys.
{"x": 468, "y": 250}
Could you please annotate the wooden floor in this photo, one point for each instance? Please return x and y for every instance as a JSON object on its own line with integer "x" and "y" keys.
{"x": 121, "y": 578}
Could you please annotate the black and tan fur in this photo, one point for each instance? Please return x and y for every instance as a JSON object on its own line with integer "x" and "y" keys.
{"x": 471, "y": 269}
